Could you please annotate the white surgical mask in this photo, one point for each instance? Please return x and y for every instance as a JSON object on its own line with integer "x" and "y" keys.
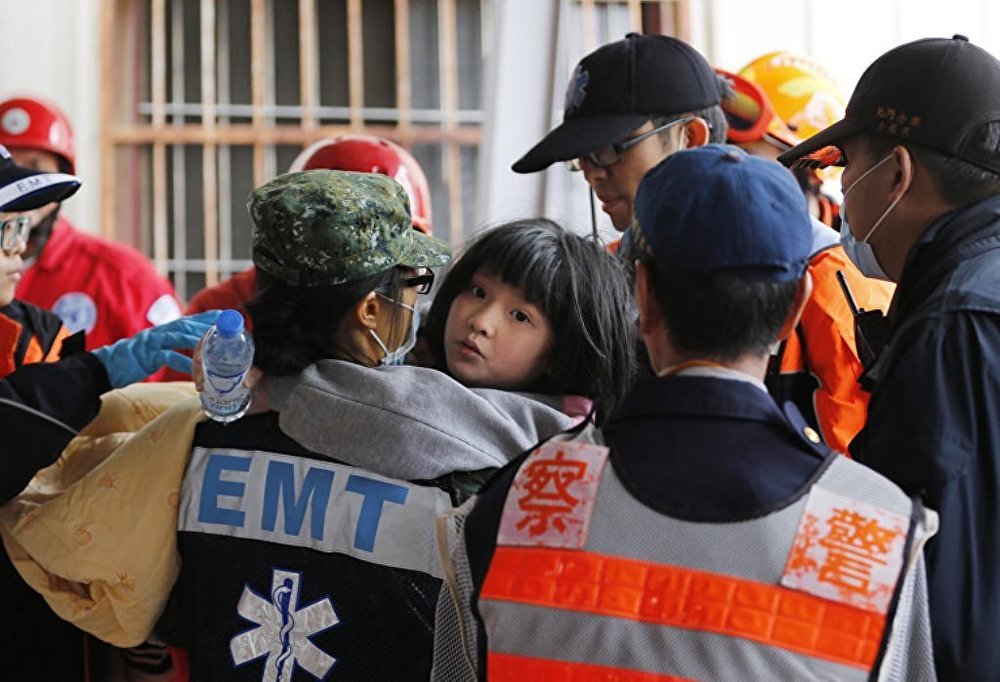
{"x": 398, "y": 356}
{"x": 861, "y": 252}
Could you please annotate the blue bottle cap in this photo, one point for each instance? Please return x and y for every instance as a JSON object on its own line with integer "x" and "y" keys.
{"x": 229, "y": 323}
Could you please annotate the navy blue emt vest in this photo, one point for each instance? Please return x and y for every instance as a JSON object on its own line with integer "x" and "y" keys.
{"x": 297, "y": 567}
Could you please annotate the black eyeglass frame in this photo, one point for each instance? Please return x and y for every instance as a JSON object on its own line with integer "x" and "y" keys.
{"x": 422, "y": 282}
{"x": 619, "y": 148}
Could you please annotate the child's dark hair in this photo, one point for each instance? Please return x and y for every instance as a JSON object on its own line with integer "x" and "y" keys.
{"x": 294, "y": 327}
{"x": 583, "y": 291}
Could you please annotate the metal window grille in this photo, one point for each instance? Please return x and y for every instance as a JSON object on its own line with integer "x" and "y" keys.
{"x": 203, "y": 100}
{"x": 601, "y": 19}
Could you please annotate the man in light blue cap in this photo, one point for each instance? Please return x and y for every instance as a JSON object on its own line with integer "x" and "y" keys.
{"x": 721, "y": 542}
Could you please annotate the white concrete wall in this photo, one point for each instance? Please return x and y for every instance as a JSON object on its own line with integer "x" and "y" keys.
{"x": 51, "y": 48}
{"x": 518, "y": 82}
{"x": 845, "y": 36}
{"x": 536, "y": 45}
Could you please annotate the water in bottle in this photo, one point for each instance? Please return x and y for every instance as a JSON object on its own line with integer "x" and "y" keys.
{"x": 226, "y": 356}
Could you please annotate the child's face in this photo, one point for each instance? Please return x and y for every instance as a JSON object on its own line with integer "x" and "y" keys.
{"x": 11, "y": 265}
{"x": 493, "y": 337}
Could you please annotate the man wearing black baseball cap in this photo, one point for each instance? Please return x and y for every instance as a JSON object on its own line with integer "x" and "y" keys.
{"x": 618, "y": 96}
{"x": 629, "y": 105}
{"x": 921, "y": 144}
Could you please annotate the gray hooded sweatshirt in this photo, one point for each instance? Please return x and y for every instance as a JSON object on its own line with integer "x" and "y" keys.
{"x": 411, "y": 423}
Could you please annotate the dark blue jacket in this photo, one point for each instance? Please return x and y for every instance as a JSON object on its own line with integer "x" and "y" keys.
{"x": 695, "y": 448}
{"x": 934, "y": 426}
{"x": 41, "y": 407}
{"x": 48, "y": 403}
{"x": 256, "y": 554}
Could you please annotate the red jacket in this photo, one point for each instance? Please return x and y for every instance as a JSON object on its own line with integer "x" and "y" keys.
{"x": 109, "y": 290}
{"x": 231, "y": 293}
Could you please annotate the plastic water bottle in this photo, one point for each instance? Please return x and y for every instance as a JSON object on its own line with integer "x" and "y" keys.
{"x": 226, "y": 357}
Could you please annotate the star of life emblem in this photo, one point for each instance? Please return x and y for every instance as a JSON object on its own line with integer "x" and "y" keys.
{"x": 282, "y": 633}
{"x": 576, "y": 91}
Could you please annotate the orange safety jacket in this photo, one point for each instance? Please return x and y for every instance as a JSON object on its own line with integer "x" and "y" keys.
{"x": 817, "y": 367}
{"x": 27, "y": 335}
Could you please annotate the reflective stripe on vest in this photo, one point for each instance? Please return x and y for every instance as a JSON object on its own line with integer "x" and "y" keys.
{"x": 650, "y": 594}
{"x": 679, "y": 597}
{"x": 506, "y": 668}
{"x": 18, "y": 347}
{"x": 322, "y": 505}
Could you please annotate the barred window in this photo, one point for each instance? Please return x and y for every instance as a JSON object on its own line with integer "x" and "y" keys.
{"x": 205, "y": 99}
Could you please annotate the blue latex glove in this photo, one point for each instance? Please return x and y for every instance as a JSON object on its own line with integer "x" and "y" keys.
{"x": 135, "y": 358}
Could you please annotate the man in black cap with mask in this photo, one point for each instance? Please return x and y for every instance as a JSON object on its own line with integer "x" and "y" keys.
{"x": 921, "y": 145}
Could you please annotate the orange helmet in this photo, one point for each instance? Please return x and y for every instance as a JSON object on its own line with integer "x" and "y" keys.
{"x": 37, "y": 123}
{"x": 750, "y": 116}
{"x": 802, "y": 93}
{"x": 371, "y": 154}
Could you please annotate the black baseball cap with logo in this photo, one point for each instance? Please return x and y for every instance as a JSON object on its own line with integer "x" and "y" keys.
{"x": 935, "y": 93}
{"x": 620, "y": 86}
{"x": 24, "y": 189}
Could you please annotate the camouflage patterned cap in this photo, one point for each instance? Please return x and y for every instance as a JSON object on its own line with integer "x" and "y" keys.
{"x": 321, "y": 227}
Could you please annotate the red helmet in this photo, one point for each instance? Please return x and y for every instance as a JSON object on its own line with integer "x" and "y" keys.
{"x": 371, "y": 154}
{"x": 37, "y": 123}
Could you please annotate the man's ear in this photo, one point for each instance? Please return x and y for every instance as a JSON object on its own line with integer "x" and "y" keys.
{"x": 903, "y": 160}
{"x": 802, "y": 294}
{"x": 696, "y": 133}
{"x": 645, "y": 300}
{"x": 365, "y": 312}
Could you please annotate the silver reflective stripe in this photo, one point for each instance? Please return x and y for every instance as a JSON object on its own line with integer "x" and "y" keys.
{"x": 756, "y": 549}
{"x": 311, "y": 503}
{"x": 41, "y": 415}
{"x": 524, "y": 630}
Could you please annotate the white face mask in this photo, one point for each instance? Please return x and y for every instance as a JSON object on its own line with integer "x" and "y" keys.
{"x": 398, "y": 356}
{"x": 861, "y": 252}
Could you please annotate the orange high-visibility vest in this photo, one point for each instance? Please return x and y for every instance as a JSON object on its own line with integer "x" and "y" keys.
{"x": 819, "y": 365}
{"x": 28, "y": 335}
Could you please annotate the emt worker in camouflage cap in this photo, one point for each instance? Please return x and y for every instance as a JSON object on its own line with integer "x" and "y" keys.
{"x": 317, "y": 557}
{"x": 341, "y": 245}
{"x": 306, "y": 529}
{"x": 329, "y": 227}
